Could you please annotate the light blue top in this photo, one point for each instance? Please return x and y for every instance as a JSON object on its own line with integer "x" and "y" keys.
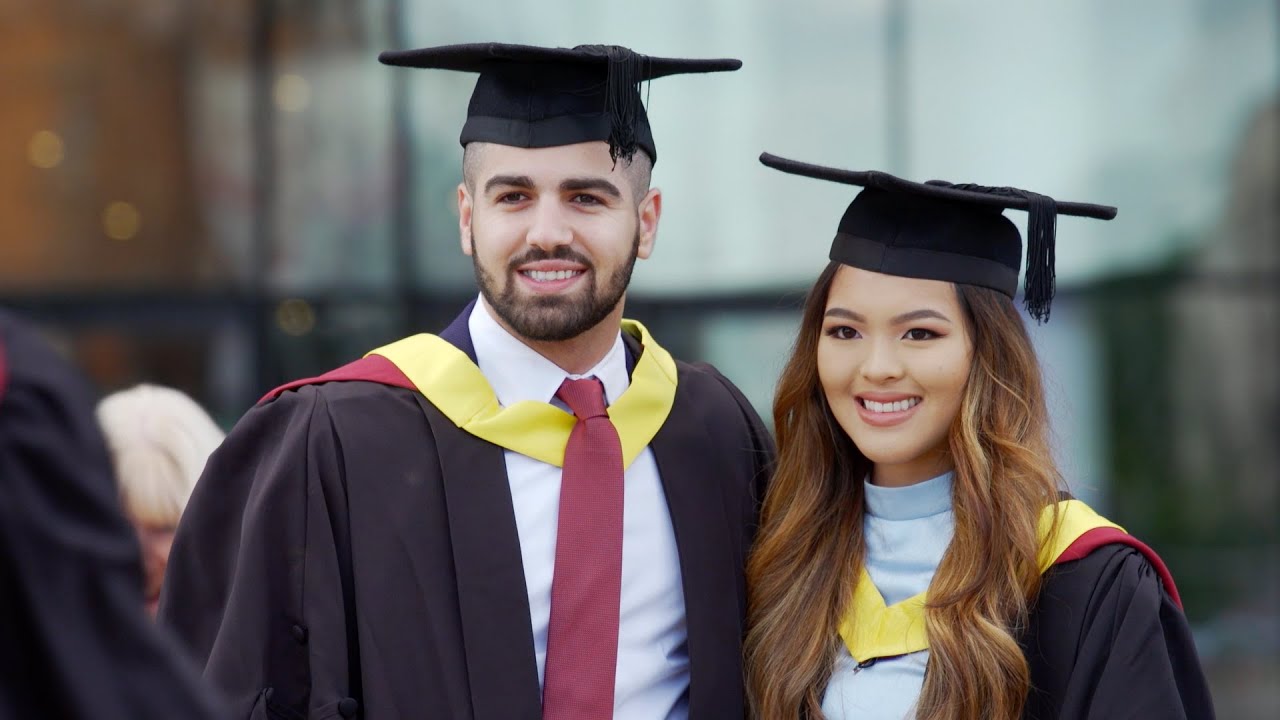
{"x": 907, "y": 531}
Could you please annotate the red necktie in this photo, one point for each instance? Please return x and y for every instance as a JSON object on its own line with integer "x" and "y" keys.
{"x": 582, "y": 638}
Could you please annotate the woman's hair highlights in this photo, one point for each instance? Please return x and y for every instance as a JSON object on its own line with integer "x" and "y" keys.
{"x": 810, "y": 549}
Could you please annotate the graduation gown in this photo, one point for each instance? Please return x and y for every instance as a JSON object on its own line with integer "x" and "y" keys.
{"x": 1107, "y": 639}
{"x": 1106, "y": 636}
{"x": 75, "y": 641}
{"x": 349, "y": 550}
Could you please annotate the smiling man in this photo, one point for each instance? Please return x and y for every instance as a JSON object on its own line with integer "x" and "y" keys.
{"x": 554, "y": 234}
{"x": 536, "y": 513}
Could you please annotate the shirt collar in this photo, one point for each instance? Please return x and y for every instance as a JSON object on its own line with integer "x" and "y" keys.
{"x": 910, "y": 502}
{"x": 517, "y": 372}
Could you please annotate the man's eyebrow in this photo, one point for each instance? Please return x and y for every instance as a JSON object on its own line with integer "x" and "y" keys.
{"x": 519, "y": 181}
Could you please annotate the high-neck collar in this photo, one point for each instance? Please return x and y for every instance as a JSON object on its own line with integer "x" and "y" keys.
{"x": 912, "y": 501}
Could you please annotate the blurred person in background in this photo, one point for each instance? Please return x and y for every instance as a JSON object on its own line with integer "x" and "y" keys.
{"x": 74, "y": 640}
{"x": 440, "y": 529}
{"x": 917, "y": 558}
{"x": 159, "y": 440}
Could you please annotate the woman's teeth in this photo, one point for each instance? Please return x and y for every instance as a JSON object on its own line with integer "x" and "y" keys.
{"x": 898, "y": 406}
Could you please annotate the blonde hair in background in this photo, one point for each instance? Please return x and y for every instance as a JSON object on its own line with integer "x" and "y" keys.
{"x": 159, "y": 441}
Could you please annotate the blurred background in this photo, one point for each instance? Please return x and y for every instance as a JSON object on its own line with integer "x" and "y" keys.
{"x": 221, "y": 195}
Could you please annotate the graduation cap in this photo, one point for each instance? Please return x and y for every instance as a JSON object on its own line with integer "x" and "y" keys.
{"x": 944, "y": 231}
{"x": 535, "y": 97}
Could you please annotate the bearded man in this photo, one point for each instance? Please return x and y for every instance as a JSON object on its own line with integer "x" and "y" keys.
{"x": 536, "y": 513}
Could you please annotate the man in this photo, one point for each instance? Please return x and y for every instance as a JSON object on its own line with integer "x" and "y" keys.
{"x": 74, "y": 639}
{"x": 441, "y": 528}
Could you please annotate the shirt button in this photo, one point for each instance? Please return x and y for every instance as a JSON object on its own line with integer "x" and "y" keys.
{"x": 347, "y": 707}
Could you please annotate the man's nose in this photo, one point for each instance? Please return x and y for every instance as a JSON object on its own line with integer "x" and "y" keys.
{"x": 549, "y": 228}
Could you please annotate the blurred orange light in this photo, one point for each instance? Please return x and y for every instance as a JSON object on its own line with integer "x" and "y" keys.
{"x": 121, "y": 221}
{"x": 45, "y": 149}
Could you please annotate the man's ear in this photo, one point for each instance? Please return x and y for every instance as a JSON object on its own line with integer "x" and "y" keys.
{"x": 464, "y": 218}
{"x": 650, "y": 212}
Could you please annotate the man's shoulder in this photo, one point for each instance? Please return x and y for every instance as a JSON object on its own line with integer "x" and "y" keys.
{"x": 344, "y": 408}
{"x": 340, "y": 402}
{"x": 702, "y": 375}
{"x": 704, "y": 393}
{"x": 348, "y": 417}
{"x": 705, "y": 382}
{"x": 371, "y": 371}
{"x": 333, "y": 391}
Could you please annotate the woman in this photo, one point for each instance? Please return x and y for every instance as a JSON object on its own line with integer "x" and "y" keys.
{"x": 159, "y": 441}
{"x": 915, "y": 521}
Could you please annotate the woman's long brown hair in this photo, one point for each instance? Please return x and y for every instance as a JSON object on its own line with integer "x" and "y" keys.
{"x": 810, "y": 550}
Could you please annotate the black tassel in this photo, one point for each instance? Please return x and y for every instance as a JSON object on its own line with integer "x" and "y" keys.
{"x": 1042, "y": 226}
{"x": 622, "y": 98}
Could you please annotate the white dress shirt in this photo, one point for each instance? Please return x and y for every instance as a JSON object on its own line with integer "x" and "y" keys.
{"x": 652, "y": 678}
{"x": 907, "y": 530}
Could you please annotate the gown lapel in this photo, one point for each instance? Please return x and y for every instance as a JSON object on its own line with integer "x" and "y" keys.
{"x": 494, "y": 604}
{"x": 706, "y": 561}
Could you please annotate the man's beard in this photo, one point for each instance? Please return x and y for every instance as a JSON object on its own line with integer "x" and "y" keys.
{"x": 553, "y": 318}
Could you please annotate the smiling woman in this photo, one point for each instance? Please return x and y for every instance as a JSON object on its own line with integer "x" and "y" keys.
{"x": 893, "y": 358}
{"x": 915, "y": 522}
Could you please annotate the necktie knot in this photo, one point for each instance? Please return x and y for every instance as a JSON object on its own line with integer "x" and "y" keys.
{"x": 584, "y": 397}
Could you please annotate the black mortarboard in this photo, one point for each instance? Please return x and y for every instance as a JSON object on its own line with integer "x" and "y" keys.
{"x": 942, "y": 231}
{"x": 534, "y": 97}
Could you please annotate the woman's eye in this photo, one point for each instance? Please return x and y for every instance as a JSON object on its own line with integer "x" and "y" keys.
{"x": 920, "y": 334}
{"x": 843, "y": 332}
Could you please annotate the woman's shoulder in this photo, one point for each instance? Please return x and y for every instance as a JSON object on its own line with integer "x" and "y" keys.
{"x": 1116, "y": 570}
{"x": 1105, "y": 631}
{"x": 1079, "y": 544}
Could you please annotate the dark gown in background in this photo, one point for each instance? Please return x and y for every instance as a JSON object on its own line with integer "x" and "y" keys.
{"x": 75, "y": 641}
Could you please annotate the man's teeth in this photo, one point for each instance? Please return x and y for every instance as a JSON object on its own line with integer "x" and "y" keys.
{"x": 544, "y": 276}
{"x": 898, "y": 406}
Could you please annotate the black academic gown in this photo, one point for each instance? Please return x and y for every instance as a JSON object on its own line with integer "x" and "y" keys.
{"x": 350, "y": 550}
{"x": 1107, "y": 640}
{"x": 75, "y": 641}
